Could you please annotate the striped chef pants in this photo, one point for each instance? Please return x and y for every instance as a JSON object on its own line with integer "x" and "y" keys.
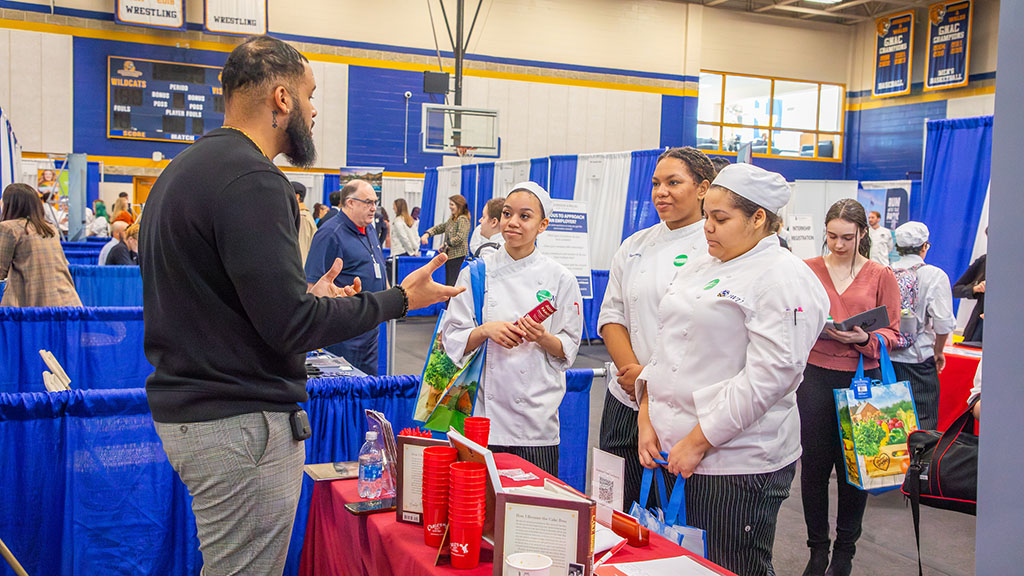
{"x": 739, "y": 514}
{"x": 543, "y": 457}
{"x": 619, "y": 437}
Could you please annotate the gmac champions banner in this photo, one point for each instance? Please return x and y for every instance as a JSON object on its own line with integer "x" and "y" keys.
{"x": 949, "y": 44}
{"x": 245, "y": 17}
{"x": 151, "y": 13}
{"x": 893, "y": 49}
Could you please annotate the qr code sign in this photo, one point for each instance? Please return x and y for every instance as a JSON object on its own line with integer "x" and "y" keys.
{"x": 604, "y": 489}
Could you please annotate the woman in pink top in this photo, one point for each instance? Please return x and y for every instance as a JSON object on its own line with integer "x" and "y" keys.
{"x": 854, "y": 284}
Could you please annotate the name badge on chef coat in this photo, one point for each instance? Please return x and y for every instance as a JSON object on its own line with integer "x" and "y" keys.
{"x": 861, "y": 388}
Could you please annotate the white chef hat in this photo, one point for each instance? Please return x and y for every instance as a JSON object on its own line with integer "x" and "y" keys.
{"x": 538, "y": 191}
{"x": 911, "y": 235}
{"x": 768, "y": 190}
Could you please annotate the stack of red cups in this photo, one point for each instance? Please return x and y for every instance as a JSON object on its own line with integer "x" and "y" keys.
{"x": 466, "y": 504}
{"x": 478, "y": 429}
{"x": 436, "y": 480}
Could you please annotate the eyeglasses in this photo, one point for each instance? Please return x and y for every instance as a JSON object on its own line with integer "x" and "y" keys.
{"x": 367, "y": 202}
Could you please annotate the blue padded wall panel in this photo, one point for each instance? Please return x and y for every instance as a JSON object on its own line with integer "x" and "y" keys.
{"x": 887, "y": 143}
{"x": 376, "y": 119}
{"x": 672, "y": 129}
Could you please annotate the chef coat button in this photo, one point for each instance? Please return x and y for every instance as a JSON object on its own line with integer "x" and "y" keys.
{"x": 522, "y": 370}
{"x": 675, "y": 368}
{"x": 635, "y": 297}
{"x": 698, "y": 297}
{"x": 654, "y": 362}
{"x": 539, "y": 281}
{"x": 519, "y": 400}
{"x": 490, "y": 396}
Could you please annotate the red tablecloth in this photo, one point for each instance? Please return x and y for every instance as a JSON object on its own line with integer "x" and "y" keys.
{"x": 339, "y": 543}
{"x": 955, "y": 383}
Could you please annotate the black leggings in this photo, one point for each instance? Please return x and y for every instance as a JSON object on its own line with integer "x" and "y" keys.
{"x": 823, "y": 452}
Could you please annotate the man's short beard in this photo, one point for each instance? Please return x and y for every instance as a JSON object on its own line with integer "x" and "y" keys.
{"x": 302, "y": 152}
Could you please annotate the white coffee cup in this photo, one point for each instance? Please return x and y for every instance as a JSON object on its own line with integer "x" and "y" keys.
{"x": 527, "y": 564}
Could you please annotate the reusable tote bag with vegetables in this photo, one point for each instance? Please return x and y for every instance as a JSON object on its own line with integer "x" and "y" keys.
{"x": 447, "y": 392}
{"x": 875, "y": 419}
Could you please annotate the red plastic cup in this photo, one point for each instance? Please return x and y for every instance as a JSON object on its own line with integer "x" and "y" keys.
{"x": 478, "y": 429}
{"x": 465, "y": 545}
{"x": 435, "y": 522}
{"x": 468, "y": 468}
{"x": 474, "y": 517}
{"x": 440, "y": 454}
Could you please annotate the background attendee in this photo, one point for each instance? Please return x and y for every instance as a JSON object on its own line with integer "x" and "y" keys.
{"x": 117, "y": 230}
{"x": 125, "y": 252}
{"x": 122, "y": 211}
{"x": 229, "y": 316}
{"x": 31, "y": 258}
{"x": 100, "y": 225}
{"x": 719, "y": 162}
{"x": 307, "y": 226}
{"x": 382, "y": 226}
{"x": 486, "y": 237}
{"x": 415, "y": 217}
{"x": 334, "y": 198}
{"x": 524, "y": 374}
{"x": 350, "y": 237}
{"x": 971, "y": 285}
{"x": 456, "y": 237}
{"x": 854, "y": 284}
{"x": 881, "y": 239}
{"x": 927, "y": 319}
{"x": 318, "y": 212}
{"x": 128, "y": 202}
{"x": 734, "y": 333}
{"x": 640, "y": 274}
{"x": 404, "y": 240}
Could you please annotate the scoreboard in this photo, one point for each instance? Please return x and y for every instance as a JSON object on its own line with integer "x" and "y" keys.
{"x": 162, "y": 101}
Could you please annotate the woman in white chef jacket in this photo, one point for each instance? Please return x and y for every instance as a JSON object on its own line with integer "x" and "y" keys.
{"x": 641, "y": 270}
{"x": 719, "y": 394}
{"x": 524, "y": 372}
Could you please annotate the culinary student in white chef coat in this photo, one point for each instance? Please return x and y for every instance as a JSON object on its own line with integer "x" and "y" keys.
{"x": 641, "y": 270}
{"x": 719, "y": 394}
{"x": 524, "y": 372}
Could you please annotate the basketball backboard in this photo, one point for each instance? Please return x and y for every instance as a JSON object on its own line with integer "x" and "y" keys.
{"x": 447, "y": 128}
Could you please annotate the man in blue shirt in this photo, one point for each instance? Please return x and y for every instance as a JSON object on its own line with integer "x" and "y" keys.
{"x": 350, "y": 236}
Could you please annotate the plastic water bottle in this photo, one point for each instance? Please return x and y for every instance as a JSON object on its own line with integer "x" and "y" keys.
{"x": 371, "y": 467}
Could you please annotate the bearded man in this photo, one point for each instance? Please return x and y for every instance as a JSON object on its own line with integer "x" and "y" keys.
{"x": 229, "y": 316}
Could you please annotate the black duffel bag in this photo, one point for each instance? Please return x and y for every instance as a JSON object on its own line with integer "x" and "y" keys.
{"x": 943, "y": 470}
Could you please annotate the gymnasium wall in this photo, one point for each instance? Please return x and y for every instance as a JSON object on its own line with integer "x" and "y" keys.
{"x": 885, "y": 136}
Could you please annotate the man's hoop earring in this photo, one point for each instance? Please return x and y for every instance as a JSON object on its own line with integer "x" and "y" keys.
{"x": 274, "y": 125}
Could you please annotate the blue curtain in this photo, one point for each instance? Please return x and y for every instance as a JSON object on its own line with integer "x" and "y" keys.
{"x": 98, "y": 347}
{"x": 87, "y": 487}
{"x": 539, "y": 171}
{"x": 592, "y": 306}
{"x": 484, "y": 188}
{"x": 957, "y": 165}
{"x": 407, "y": 264}
{"x": 428, "y": 200}
{"x": 468, "y": 188}
{"x": 92, "y": 183}
{"x": 563, "y": 177}
{"x": 640, "y": 212}
{"x": 574, "y": 424}
{"x": 332, "y": 183}
{"x": 108, "y": 285}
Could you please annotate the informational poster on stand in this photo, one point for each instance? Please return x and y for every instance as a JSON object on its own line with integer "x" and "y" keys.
{"x": 566, "y": 241}
{"x": 375, "y": 176}
{"x": 890, "y": 199}
{"x": 801, "y": 236}
{"x": 243, "y": 17}
{"x": 949, "y": 44}
{"x": 894, "y": 45}
{"x": 151, "y": 13}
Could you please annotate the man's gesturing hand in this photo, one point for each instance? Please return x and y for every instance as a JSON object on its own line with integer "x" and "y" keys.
{"x": 421, "y": 289}
{"x": 325, "y": 287}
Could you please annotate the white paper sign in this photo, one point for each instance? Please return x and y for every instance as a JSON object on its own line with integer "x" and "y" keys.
{"x": 566, "y": 241}
{"x": 801, "y": 236}
{"x": 155, "y": 13}
{"x": 244, "y": 17}
{"x": 608, "y": 479}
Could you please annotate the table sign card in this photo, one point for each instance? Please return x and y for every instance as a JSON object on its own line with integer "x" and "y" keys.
{"x": 607, "y": 479}
{"x": 409, "y": 498}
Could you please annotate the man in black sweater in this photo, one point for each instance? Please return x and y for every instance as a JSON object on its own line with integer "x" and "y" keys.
{"x": 228, "y": 318}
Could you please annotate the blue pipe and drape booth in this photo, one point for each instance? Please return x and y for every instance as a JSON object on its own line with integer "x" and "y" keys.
{"x": 957, "y": 168}
{"x": 87, "y": 486}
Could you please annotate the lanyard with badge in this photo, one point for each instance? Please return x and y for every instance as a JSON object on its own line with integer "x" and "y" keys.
{"x": 373, "y": 257}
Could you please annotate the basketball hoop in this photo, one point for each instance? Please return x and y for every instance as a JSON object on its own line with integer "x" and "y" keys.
{"x": 465, "y": 151}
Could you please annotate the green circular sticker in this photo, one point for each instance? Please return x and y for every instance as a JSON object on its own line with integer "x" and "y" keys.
{"x": 711, "y": 284}
{"x": 543, "y": 295}
{"x": 680, "y": 260}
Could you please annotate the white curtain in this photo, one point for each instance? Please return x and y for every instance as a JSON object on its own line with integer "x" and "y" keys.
{"x": 507, "y": 174}
{"x": 449, "y": 183}
{"x": 602, "y": 181}
{"x": 411, "y": 189}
